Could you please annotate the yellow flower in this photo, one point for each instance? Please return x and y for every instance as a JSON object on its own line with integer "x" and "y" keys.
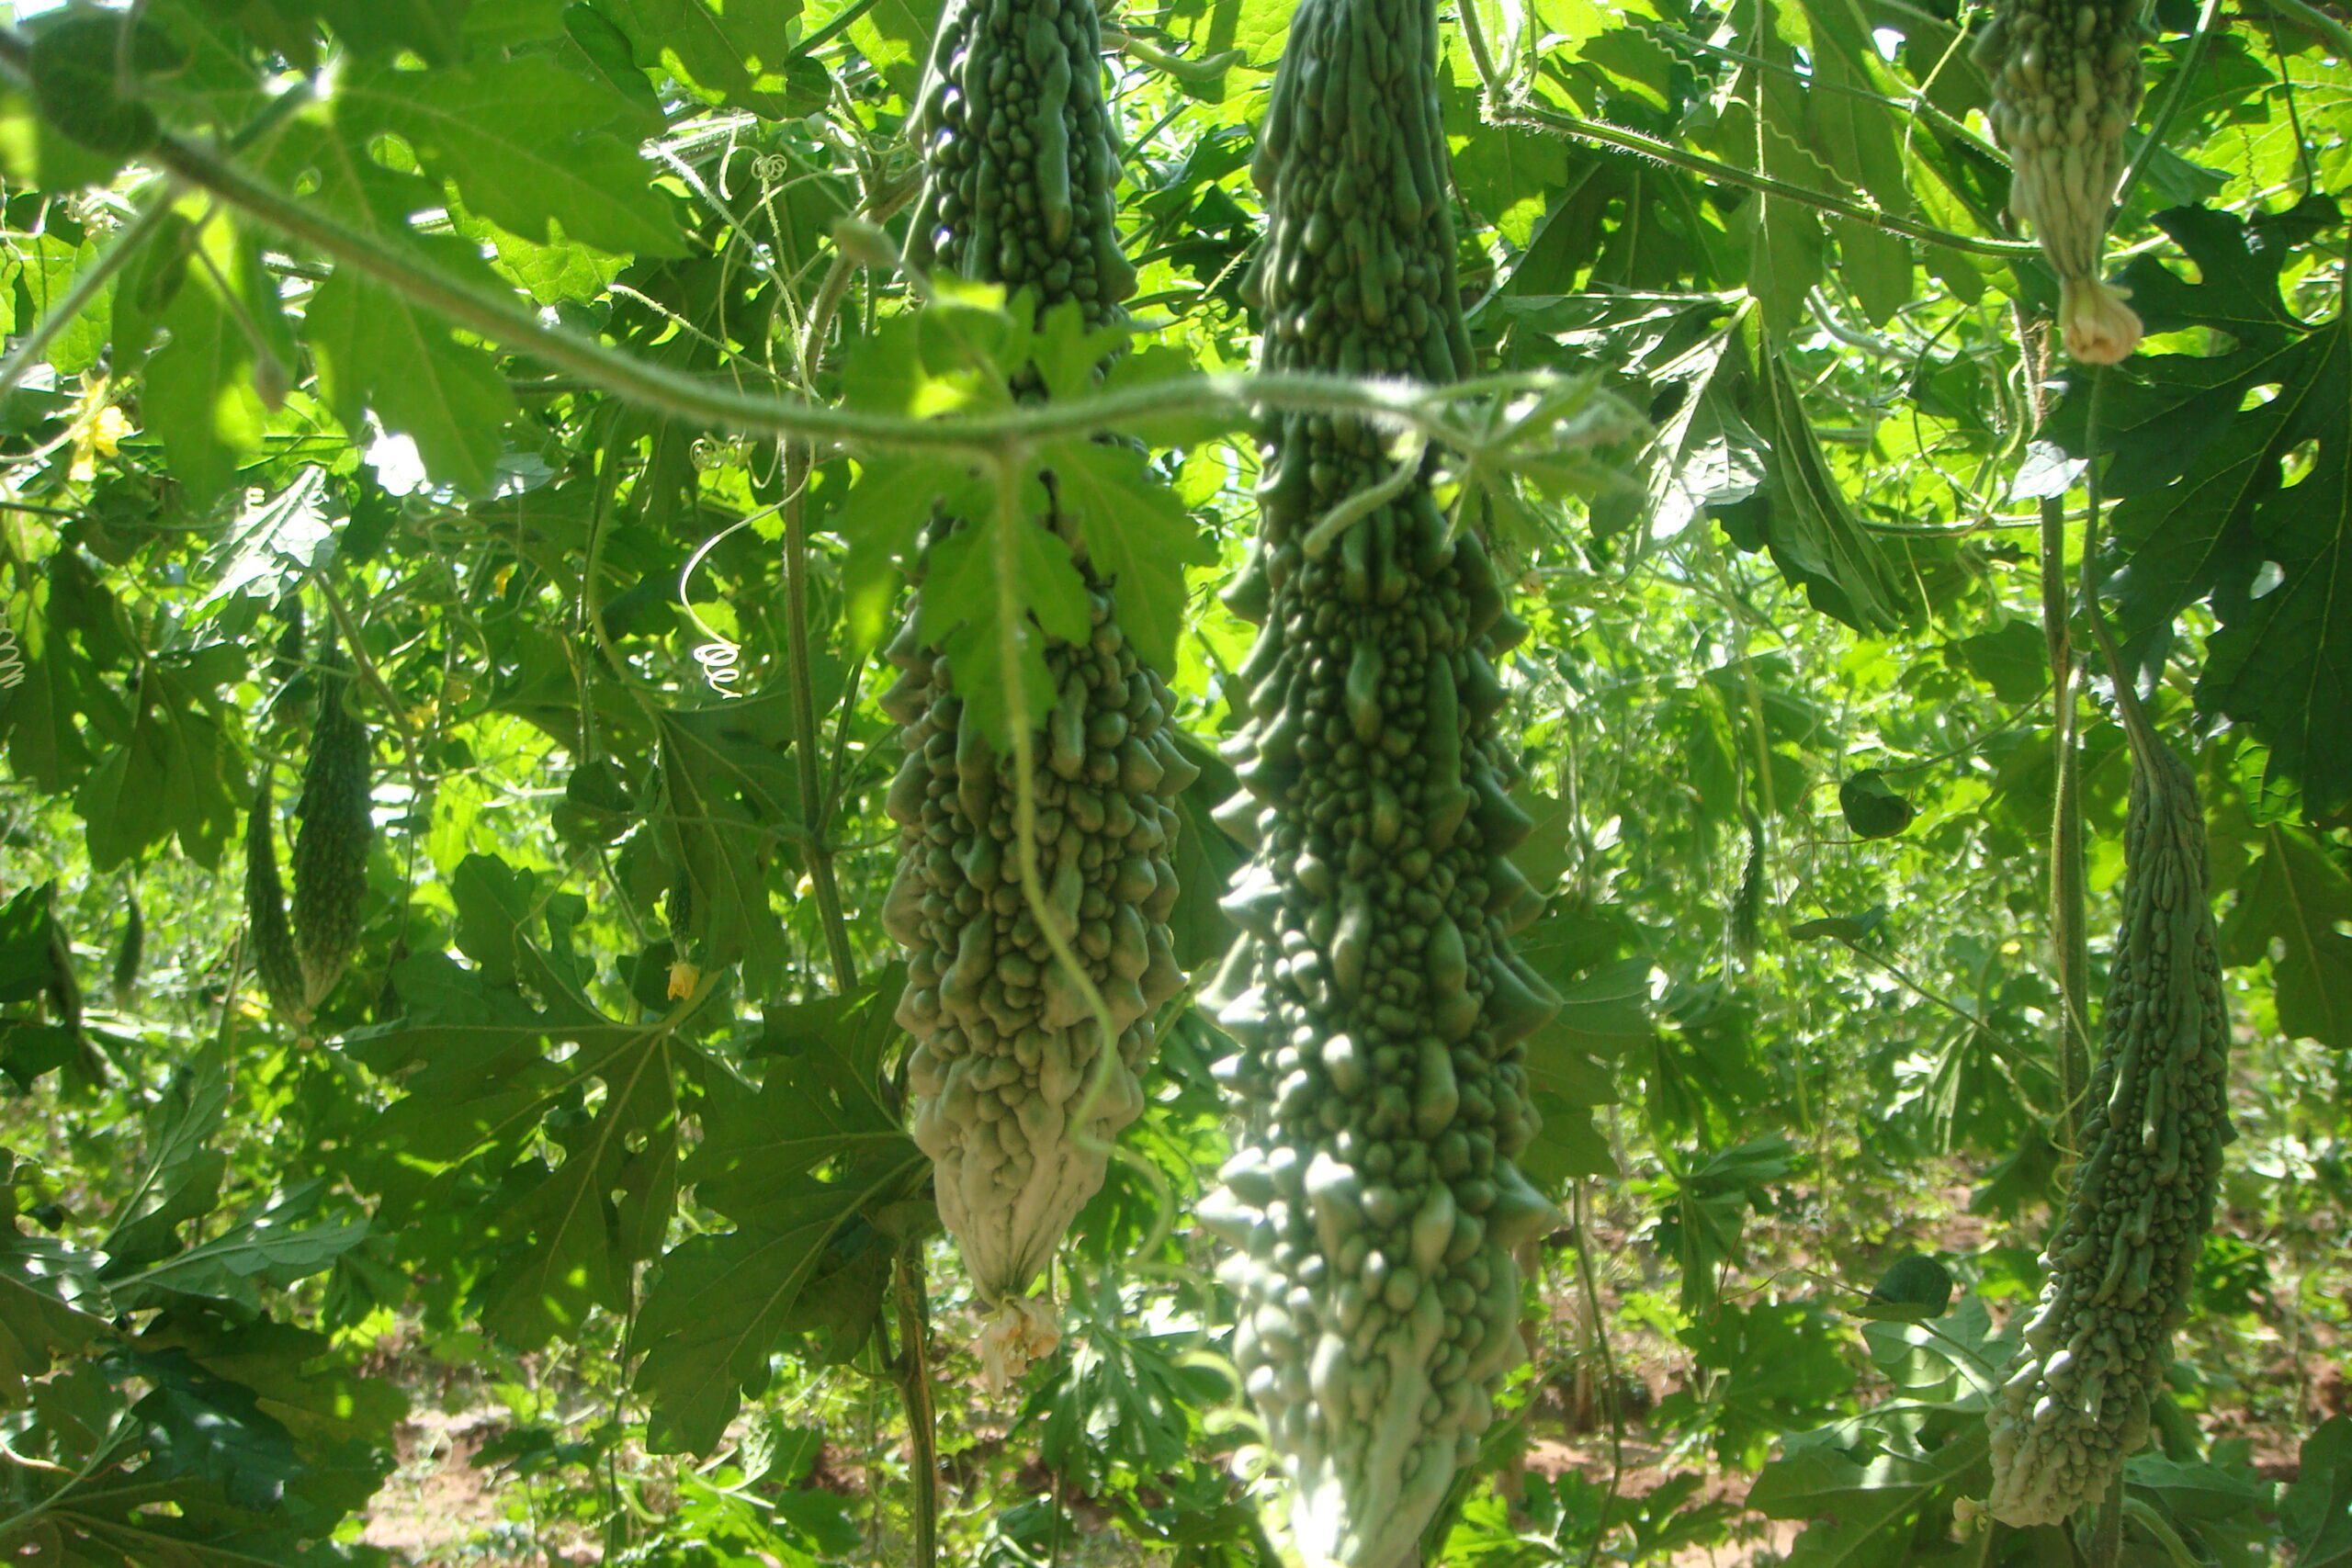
{"x": 684, "y": 978}
{"x": 100, "y": 436}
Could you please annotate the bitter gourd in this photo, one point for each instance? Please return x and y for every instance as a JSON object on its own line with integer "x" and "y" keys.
{"x": 2075, "y": 1403}
{"x": 1020, "y": 165}
{"x": 1377, "y": 1007}
{"x": 129, "y": 951}
{"x": 269, "y": 937}
{"x": 1012, "y": 1096}
{"x": 2065, "y": 79}
{"x": 331, "y": 846}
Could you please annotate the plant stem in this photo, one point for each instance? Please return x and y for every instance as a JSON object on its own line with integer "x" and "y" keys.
{"x": 2106, "y": 1536}
{"x": 2069, "y": 932}
{"x": 1234, "y": 398}
{"x": 817, "y": 794}
{"x": 814, "y": 807}
{"x": 914, "y": 1388}
{"x": 1581, "y": 1222}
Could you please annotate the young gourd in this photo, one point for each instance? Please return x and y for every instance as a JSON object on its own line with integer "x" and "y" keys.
{"x": 2075, "y": 1403}
{"x": 268, "y": 939}
{"x": 1377, "y": 1008}
{"x": 331, "y": 846}
{"x": 299, "y": 964}
{"x": 2066, "y": 77}
{"x": 1013, "y": 1097}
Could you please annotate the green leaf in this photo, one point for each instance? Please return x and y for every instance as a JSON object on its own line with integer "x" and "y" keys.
{"x": 376, "y": 350}
{"x": 180, "y": 1180}
{"x": 1780, "y": 1366}
{"x": 484, "y": 1076}
{"x": 342, "y": 1422}
{"x": 1138, "y": 538}
{"x": 43, "y": 1287}
{"x": 995, "y": 581}
{"x": 433, "y": 29}
{"x": 169, "y": 774}
{"x": 1707, "y": 1207}
{"x": 205, "y": 387}
{"x": 2296, "y": 901}
{"x": 2317, "y": 1510}
{"x": 1124, "y": 1397}
{"x": 2013, "y": 659}
{"x": 882, "y": 518}
{"x": 277, "y": 1241}
{"x": 531, "y": 145}
{"x": 800, "y": 1165}
{"x": 206, "y": 1427}
{"x": 1068, "y": 357}
{"x": 1505, "y": 174}
{"x": 63, "y": 622}
{"x": 513, "y": 24}
{"x": 2201, "y": 450}
{"x": 729, "y": 805}
{"x": 1863, "y": 1501}
{"x": 1913, "y": 1288}
{"x": 858, "y": 1024}
{"x": 32, "y": 945}
{"x": 895, "y": 37}
{"x": 1873, "y": 808}
{"x": 79, "y": 68}
{"x": 1802, "y": 515}
{"x": 726, "y": 51}
{"x": 1763, "y": 129}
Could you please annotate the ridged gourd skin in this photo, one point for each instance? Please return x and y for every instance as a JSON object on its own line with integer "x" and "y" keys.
{"x": 1010, "y": 1095}
{"x": 2075, "y": 1403}
{"x": 269, "y": 937}
{"x": 1020, "y": 164}
{"x": 1377, "y": 1009}
{"x": 330, "y": 860}
{"x": 2066, "y": 78}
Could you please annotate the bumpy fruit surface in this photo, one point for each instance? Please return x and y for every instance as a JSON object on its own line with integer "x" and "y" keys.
{"x": 1020, "y": 165}
{"x": 1013, "y": 1097}
{"x": 331, "y": 846}
{"x": 2066, "y": 77}
{"x": 270, "y": 939}
{"x": 2075, "y": 1404}
{"x": 1379, "y": 1013}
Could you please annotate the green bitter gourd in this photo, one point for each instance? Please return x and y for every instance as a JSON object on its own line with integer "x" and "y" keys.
{"x": 1011, "y": 1096}
{"x": 269, "y": 937}
{"x": 2075, "y": 1403}
{"x": 331, "y": 846}
{"x": 2065, "y": 79}
{"x": 1378, "y": 1011}
{"x": 129, "y": 951}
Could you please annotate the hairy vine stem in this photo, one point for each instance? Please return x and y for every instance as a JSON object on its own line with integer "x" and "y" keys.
{"x": 1231, "y": 398}
{"x": 914, "y": 1389}
{"x": 2069, "y": 899}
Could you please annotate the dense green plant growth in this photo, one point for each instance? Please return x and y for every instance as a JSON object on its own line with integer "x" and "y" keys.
{"x": 1396, "y": 715}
